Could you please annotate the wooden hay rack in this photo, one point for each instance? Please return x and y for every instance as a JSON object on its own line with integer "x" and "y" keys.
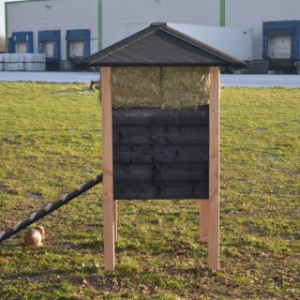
{"x": 160, "y": 92}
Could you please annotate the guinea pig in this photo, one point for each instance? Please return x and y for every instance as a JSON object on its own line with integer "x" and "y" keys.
{"x": 34, "y": 237}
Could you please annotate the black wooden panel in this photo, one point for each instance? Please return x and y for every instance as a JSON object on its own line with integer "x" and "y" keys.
{"x": 160, "y": 134}
{"x": 164, "y": 190}
{"x": 160, "y": 154}
{"x": 160, "y": 172}
{"x": 146, "y": 154}
{"x": 161, "y": 117}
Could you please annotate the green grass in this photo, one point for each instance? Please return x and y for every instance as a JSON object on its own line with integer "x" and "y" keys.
{"x": 50, "y": 142}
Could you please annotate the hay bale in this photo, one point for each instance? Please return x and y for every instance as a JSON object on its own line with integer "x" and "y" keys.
{"x": 172, "y": 88}
{"x": 136, "y": 87}
{"x": 185, "y": 87}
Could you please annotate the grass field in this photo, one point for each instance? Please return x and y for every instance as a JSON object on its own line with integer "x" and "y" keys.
{"x": 50, "y": 142}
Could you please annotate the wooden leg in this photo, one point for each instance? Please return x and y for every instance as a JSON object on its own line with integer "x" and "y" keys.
{"x": 116, "y": 220}
{"x": 214, "y": 173}
{"x": 203, "y": 220}
{"x": 109, "y": 207}
{"x": 109, "y": 234}
{"x": 213, "y": 234}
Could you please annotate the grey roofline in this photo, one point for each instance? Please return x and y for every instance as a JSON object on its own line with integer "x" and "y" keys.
{"x": 98, "y": 59}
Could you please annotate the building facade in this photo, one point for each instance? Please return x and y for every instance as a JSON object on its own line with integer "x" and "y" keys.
{"x": 69, "y": 29}
{"x": 252, "y": 14}
{"x": 65, "y": 30}
{"x": 121, "y": 17}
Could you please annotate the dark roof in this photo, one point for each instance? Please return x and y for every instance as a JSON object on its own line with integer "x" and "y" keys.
{"x": 160, "y": 45}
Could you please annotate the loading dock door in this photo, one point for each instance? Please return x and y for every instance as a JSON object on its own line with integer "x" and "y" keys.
{"x": 280, "y": 47}
{"x": 76, "y": 49}
{"x": 48, "y": 48}
{"x": 21, "y": 42}
{"x": 78, "y": 43}
{"x": 49, "y": 43}
{"x": 21, "y": 47}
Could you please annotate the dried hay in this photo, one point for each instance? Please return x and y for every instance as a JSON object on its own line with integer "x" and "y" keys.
{"x": 172, "y": 88}
{"x": 185, "y": 87}
{"x": 136, "y": 87}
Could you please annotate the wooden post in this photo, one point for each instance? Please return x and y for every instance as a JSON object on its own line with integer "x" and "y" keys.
{"x": 116, "y": 219}
{"x": 214, "y": 171}
{"x": 203, "y": 219}
{"x": 109, "y": 207}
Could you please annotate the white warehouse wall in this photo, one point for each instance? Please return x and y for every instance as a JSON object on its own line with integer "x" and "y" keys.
{"x": 54, "y": 15}
{"x": 252, "y": 14}
{"x": 123, "y": 17}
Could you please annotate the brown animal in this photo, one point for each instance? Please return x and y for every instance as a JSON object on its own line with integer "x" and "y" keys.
{"x": 34, "y": 237}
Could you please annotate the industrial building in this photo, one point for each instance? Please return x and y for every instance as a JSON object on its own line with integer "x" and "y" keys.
{"x": 67, "y": 30}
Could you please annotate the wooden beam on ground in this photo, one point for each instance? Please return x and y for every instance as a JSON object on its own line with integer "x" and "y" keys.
{"x": 214, "y": 170}
{"x": 109, "y": 207}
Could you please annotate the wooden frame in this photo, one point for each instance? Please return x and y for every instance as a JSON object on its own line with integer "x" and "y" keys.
{"x": 209, "y": 210}
{"x": 209, "y": 215}
{"x": 109, "y": 205}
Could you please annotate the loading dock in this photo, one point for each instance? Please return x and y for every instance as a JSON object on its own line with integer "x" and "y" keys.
{"x": 78, "y": 43}
{"x": 50, "y": 44}
{"x": 21, "y": 42}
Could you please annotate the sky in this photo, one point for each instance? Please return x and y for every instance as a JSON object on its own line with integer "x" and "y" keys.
{"x": 2, "y": 20}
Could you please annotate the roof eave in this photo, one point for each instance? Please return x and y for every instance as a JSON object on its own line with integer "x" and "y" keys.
{"x": 109, "y": 64}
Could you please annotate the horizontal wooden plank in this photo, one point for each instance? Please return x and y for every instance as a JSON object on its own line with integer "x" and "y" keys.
{"x": 161, "y": 172}
{"x": 166, "y": 190}
{"x": 152, "y": 117}
{"x": 145, "y": 154}
{"x": 160, "y": 135}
